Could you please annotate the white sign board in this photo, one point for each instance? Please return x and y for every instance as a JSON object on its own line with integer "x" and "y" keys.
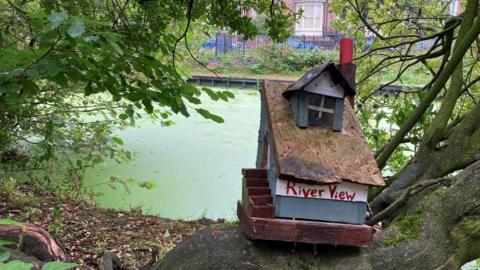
{"x": 344, "y": 191}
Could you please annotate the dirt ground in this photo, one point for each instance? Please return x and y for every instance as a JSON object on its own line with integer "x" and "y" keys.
{"x": 86, "y": 231}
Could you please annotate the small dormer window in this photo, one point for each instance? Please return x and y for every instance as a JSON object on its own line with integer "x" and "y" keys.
{"x": 321, "y": 111}
{"x": 317, "y": 99}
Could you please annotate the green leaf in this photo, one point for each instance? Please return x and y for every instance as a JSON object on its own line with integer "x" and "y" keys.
{"x": 148, "y": 105}
{"x": 56, "y": 18}
{"x": 91, "y": 38}
{"x": 189, "y": 89}
{"x": 117, "y": 140}
{"x": 193, "y": 100}
{"x": 4, "y": 255}
{"x": 115, "y": 46}
{"x": 17, "y": 265}
{"x": 58, "y": 266}
{"x": 46, "y": 39}
{"x": 61, "y": 80}
{"x": 76, "y": 29}
{"x": 213, "y": 96}
{"x": 10, "y": 222}
{"x": 29, "y": 87}
{"x": 147, "y": 184}
{"x": 129, "y": 111}
{"x": 229, "y": 94}
{"x": 208, "y": 115}
{"x": 123, "y": 116}
{"x": 6, "y": 243}
{"x": 53, "y": 67}
{"x": 10, "y": 87}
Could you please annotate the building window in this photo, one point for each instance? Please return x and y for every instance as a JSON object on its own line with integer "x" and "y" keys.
{"x": 321, "y": 110}
{"x": 312, "y": 17}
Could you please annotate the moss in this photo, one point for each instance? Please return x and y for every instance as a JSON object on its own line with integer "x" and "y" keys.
{"x": 466, "y": 235}
{"x": 408, "y": 228}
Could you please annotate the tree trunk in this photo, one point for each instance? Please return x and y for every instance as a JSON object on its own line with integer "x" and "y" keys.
{"x": 438, "y": 228}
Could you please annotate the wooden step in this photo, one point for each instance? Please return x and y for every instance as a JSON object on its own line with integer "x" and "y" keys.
{"x": 262, "y": 211}
{"x": 256, "y": 182}
{"x": 254, "y": 173}
{"x": 258, "y": 191}
{"x": 261, "y": 199}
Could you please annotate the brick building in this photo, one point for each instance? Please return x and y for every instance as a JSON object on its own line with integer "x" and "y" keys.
{"x": 317, "y": 17}
{"x": 316, "y": 20}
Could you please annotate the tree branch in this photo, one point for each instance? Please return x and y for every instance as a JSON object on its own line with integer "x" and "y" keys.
{"x": 437, "y": 86}
{"x": 184, "y": 34}
{"x": 437, "y": 126}
{"x": 392, "y": 208}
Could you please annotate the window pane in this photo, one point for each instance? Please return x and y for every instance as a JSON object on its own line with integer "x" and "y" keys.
{"x": 321, "y": 111}
{"x": 309, "y": 10}
{"x": 316, "y": 100}
{"x": 308, "y": 23}
{"x": 312, "y": 17}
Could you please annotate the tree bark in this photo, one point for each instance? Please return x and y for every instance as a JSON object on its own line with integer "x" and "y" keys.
{"x": 438, "y": 228}
{"x": 33, "y": 241}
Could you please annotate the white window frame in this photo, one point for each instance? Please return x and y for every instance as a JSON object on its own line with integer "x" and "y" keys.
{"x": 318, "y": 16}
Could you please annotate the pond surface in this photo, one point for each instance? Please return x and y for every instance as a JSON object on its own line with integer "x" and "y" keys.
{"x": 196, "y": 164}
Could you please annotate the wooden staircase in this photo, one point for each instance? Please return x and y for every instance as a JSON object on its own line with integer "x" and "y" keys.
{"x": 256, "y": 194}
{"x": 257, "y": 220}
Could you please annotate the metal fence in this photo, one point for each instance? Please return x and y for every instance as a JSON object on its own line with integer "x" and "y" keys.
{"x": 227, "y": 43}
{"x": 224, "y": 43}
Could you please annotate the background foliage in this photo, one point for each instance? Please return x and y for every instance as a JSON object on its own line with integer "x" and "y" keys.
{"x": 72, "y": 71}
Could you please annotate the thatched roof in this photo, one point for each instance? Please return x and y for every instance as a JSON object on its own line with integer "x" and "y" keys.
{"x": 317, "y": 154}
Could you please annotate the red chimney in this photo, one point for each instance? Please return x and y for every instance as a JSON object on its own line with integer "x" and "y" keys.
{"x": 346, "y": 51}
{"x": 346, "y": 66}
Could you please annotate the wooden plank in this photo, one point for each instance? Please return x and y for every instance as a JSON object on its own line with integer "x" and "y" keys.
{"x": 338, "y": 122}
{"x": 254, "y": 173}
{"x": 262, "y": 149}
{"x": 272, "y": 175}
{"x": 302, "y": 110}
{"x": 258, "y": 191}
{"x": 263, "y": 211}
{"x": 348, "y": 71}
{"x": 304, "y": 231}
{"x": 257, "y": 182}
{"x": 320, "y": 209}
{"x": 245, "y": 198}
{"x": 261, "y": 199}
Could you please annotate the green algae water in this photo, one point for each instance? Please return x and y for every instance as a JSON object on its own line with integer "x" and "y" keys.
{"x": 196, "y": 163}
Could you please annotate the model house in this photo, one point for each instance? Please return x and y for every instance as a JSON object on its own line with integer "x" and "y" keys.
{"x": 314, "y": 167}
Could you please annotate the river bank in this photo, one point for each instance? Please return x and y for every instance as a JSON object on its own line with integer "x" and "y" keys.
{"x": 86, "y": 230}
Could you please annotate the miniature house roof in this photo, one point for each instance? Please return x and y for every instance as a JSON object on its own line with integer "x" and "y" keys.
{"x": 316, "y": 155}
{"x": 335, "y": 75}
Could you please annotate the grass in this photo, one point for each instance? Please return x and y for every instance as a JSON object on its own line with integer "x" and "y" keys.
{"x": 416, "y": 76}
